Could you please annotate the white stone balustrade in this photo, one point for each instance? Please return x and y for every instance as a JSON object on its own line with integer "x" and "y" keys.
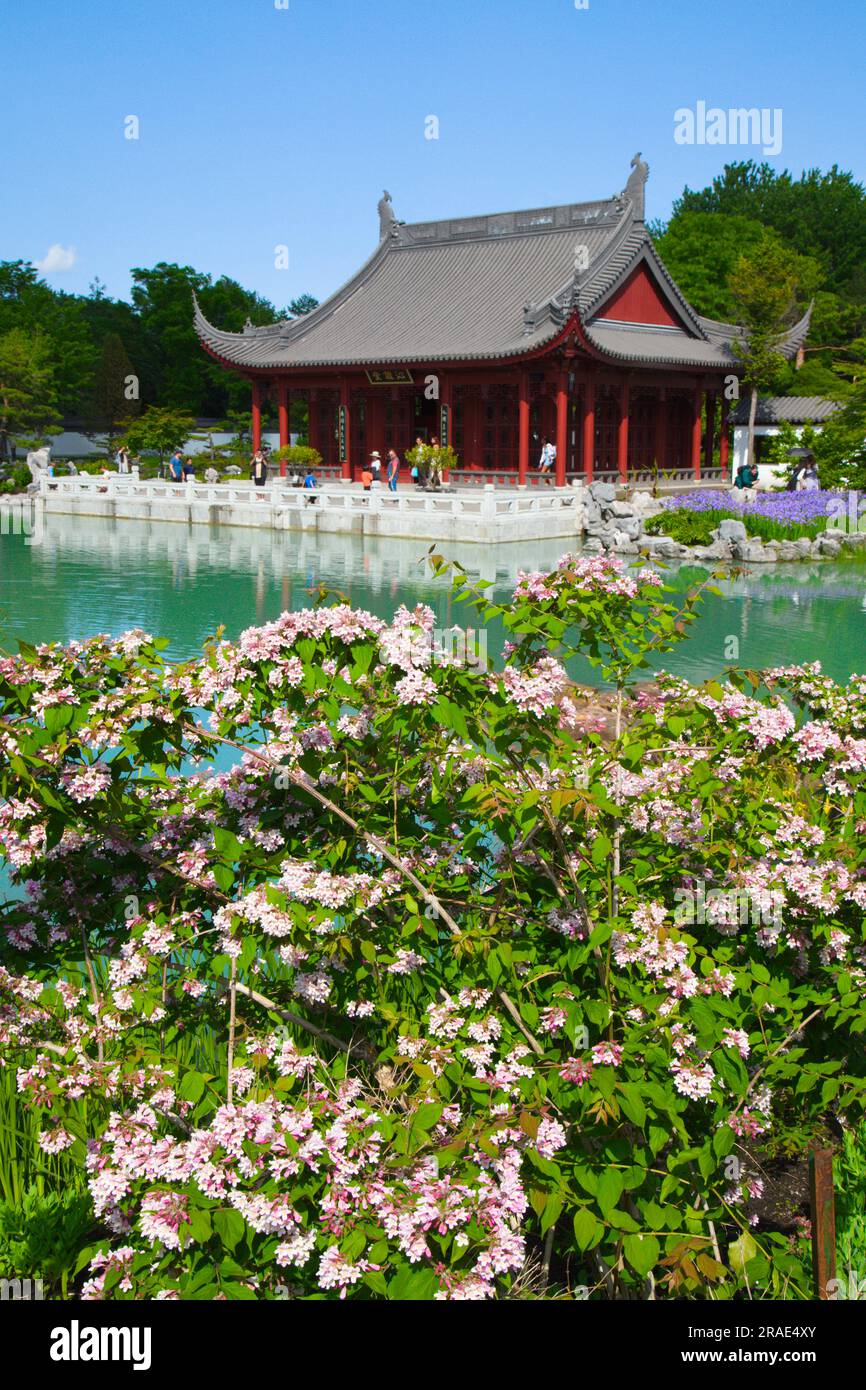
{"x": 484, "y": 515}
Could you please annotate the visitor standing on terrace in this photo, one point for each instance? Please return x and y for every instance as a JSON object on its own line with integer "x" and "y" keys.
{"x": 435, "y": 479}
{"x": 547, "y": 462}
{"x": 175, "y": 468}
{"x": 259, "y": 469}
{"x": 393, "y": 470}
{"x": 422, "y": 466}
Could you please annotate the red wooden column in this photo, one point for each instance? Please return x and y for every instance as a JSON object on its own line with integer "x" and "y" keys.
{"x": 313, "y": 419}
{"x": 710, "y": 436}
{"x": 696, "y": 432}
{"x": 257, "y": 416}
{"x": 622, "y": 432}
{"x": 345, "y": 439}
{"x": 724, "y": 440}
{"x": 523, "y": 430}
{"x": 561, "y": 427}
{"x": 661, "y": 430}
{"x": 283, "y": 412}
{"x": 588, "y": 431}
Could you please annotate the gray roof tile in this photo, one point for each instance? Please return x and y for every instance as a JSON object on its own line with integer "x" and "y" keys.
{"x": 793, "y": 410}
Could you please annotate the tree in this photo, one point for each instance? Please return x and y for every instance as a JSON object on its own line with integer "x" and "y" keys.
{"x": 114, "y": 398}
{"x": 27, "y": 387}
{"x": 304, "y": 304}
{"x": 181, "y": 373}
{"x": 27, "y": 302}
{"x": 764, "y": 288}
{"x": 822, "y": 215}
{"x": 700, "y": 249}
{"x": 159, "y": 430}
{"x": 840, "y": 448}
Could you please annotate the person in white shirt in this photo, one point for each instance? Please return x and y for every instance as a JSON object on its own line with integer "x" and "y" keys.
{"x": 547, "y": 462}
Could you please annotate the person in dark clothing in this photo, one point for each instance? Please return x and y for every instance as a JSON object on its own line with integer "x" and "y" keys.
{"x": 259, "y": 469}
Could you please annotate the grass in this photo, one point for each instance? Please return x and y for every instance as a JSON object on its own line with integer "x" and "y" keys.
{"x": 850, "y": 1176}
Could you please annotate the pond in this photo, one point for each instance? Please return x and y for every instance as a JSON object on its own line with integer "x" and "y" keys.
{"x": 91, "y": 575}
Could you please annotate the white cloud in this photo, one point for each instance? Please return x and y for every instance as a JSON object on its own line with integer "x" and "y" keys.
{"x": 56, "y": 259}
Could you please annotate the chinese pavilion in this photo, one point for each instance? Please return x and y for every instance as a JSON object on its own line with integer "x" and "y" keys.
{"x": 497, "y": 332}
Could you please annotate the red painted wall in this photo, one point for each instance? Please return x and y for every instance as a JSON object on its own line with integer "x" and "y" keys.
{"x": 640, "y": 301}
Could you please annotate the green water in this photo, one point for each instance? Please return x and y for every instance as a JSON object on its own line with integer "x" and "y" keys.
{"x": 89, "y": 575}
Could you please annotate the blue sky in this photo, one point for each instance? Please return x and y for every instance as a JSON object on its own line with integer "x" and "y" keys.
{"x": 263, "y": 126}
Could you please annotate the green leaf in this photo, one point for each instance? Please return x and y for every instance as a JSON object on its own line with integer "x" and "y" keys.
{"x": 427, "y": 1115}
{"x": 641, "y": 1252}
{"x": 192, "y": 1087}
{"x": 629, "y": 1098}
{"x": 415, "y": 1285}
{"x": 199, "y": 1225}
{"x": 610, "y": 1187}
{"x": 224, "y": 876}
{"x": 57, "y": 717}
{"x": 552, "y": 1210}
{"x": 740, "y": 1252}
{"x": 601, "y": 849}
{"x": 227, "y": 844}
{"x": 587, "y": 1230}
{"x": 229, "y": 1226}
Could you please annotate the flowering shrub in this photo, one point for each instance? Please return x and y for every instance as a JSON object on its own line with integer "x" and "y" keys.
{"x": 432, "y": 993}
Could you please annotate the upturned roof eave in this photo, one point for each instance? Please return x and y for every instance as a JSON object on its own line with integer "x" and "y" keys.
{"x": 540, "y": 346}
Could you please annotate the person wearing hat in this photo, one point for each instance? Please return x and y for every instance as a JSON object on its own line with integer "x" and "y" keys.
{"x": 376, "y": 465}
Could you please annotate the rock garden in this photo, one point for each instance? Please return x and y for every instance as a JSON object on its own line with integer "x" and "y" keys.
{"x": 718, "y": 526}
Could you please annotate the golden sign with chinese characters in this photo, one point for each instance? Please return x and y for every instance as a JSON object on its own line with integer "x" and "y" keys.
{"x": 396, "y": 376}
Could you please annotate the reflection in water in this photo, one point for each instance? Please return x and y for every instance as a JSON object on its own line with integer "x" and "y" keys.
{"x": 96, "y": 575}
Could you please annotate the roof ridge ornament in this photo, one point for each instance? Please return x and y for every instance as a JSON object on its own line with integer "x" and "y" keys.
{"x": 636, "y": 186}
{"x": 389, "y": 226}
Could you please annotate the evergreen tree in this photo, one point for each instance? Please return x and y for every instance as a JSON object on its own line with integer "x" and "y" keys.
{"x": 27, "y": 389}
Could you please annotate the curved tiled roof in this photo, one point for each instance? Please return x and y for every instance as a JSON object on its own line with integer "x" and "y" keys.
{"x": 795, "y": 410}
{"x": 486, "y": 288}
